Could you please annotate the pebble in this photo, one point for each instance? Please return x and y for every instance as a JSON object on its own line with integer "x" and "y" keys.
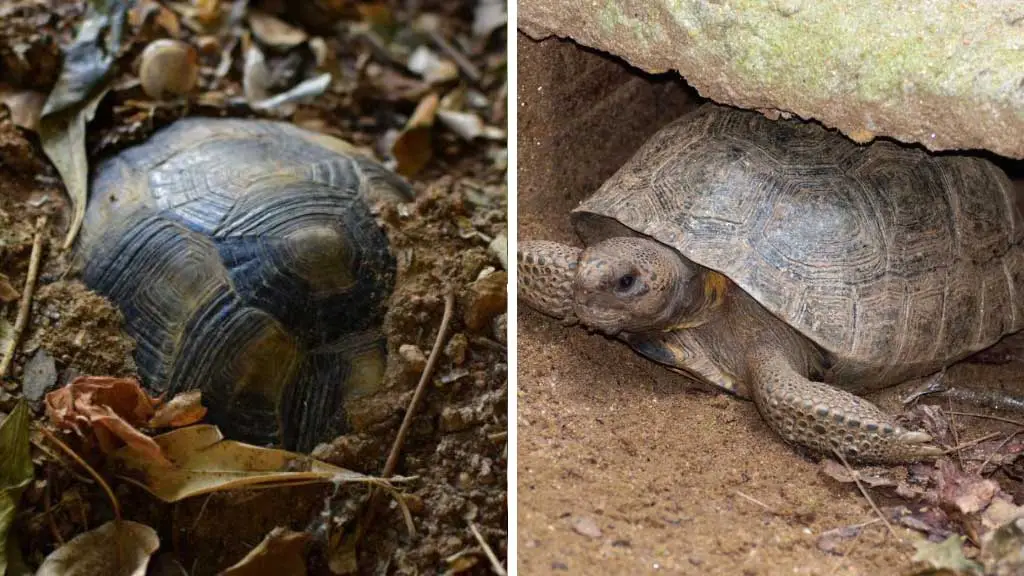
{"x": 487, "y": 298}
{"x": 414, "y": 358}
{"x": 169, "y": 67}
{"x": 586, "y": 526}
{"x": 456, "y": 349}
{"x": 40, "y": 375}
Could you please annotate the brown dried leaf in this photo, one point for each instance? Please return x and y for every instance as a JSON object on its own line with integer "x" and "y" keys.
{"x": 184, "y": 409}
{"x": 413, "y": 149}
{"x": 968, "y": 493}
{"x": 116, "y": 548}
{"x": 1001, "y": 511}
{"x": 274, "y": 32}
{"x": 204, "y": 462}
{"x": 282, "y": 553}
{"x": 26, "y": 107}
{"x": 111, "y": 408}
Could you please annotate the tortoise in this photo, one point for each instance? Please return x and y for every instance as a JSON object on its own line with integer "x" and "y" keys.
{"x": 246, "y": 261}
{"x": 786, "y": 264}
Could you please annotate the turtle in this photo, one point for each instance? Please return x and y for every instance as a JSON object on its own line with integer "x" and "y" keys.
{"x": 246, "y": 261}
{"x": 782, "y": 262}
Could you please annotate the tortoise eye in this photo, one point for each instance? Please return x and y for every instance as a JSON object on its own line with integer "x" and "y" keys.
{"x": 626, "y": 282}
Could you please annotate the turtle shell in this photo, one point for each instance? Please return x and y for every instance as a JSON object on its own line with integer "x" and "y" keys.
{"x": 247, "y": 263}
{"x": 894, "y": 261}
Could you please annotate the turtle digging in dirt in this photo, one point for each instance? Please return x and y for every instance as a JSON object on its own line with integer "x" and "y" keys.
{"x": 784, "y": 263}
{"x": 247, "y": 263}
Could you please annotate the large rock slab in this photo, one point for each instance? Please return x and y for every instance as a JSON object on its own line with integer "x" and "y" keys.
{"x": 948, "y": 74}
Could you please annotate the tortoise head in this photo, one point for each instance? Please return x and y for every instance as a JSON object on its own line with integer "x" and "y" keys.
{"x": 641, "y": 285}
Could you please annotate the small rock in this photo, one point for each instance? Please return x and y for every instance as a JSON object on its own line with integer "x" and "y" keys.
{"x": 487, "y": 298}
{"x": 40, "y": 375}
{"x": 456, "y": 419}
{"x": 586, "y": 526}
{"x": 169, "y": 67}
{"x": 413, "y": 357}
{"x": 456, "y": 349}
{"x": 559, "y": 566}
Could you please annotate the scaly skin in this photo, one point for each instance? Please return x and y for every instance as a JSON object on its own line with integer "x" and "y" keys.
{"x": 546, "y": 272}
{"x": 771, "y": 359}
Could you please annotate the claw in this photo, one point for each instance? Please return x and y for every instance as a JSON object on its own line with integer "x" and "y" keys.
{"x": 916, "y": 438}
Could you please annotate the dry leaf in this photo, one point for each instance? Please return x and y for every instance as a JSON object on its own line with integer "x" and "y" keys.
{"x": 431, "y": 67}
{"x": 281, "y": 553}
{"x": 1002, "y": 550}
{"x": 488, "y": 17}
{"x": 115, "y": 549}
{"x": 301, "y": 92}
{"x": 948, "y": 555}
{"x": 112, "y": 408}
{"x": 274, "y": 32}
{"x": 184, "y": 409}
{"x": 968, "y": 493}
{"x": 15, "y": 471}
{"x": 26, "y": 108}
{"x": 204, "y": 462}
{"x": 1001, "y": 512}
{"x": 63, "y": 139}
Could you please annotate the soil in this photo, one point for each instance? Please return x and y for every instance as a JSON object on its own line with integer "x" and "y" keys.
{"x": 456, "y": 452}
{"x": 625, "y": 467}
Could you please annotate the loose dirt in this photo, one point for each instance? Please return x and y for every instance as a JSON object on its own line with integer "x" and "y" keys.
{"x": 625, "y": 467}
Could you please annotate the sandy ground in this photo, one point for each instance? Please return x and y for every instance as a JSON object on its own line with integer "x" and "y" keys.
{"x": 625, "y": 467}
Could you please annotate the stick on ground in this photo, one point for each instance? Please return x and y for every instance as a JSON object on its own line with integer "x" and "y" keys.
{"x": 25, "y": 306}
{"x": 421, "y": 387}
{"x": 495, "y": 563}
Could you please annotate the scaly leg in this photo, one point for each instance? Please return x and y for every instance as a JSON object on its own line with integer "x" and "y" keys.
{"x": 546, "y": 271}
{"x": 824, "y": 418}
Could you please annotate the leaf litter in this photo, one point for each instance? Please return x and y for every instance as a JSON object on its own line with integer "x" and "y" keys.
{"x": 346, "y": 71}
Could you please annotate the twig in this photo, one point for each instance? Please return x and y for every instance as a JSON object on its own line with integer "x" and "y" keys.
{"x": 495, "y": 563}
{"x": 988, "y": 459}
{"x": 467, "y": 67}
{"x": 417, "y": 396}
{"x": 988, "y": 417}
{"x": 67, "y": 450}
{"x": 26, "y": 297}
{"x": 758, "y": 502}
{"x": 959, "y": 447}
{"x": 864, "y": 492}
{"x": 421, "y": 387}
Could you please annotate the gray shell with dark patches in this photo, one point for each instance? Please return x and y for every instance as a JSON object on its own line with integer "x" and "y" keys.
{"x": 895, "y": 261}
{"x": 247, "y": 262}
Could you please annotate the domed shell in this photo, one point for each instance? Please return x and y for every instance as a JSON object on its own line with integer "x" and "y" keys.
{"x": 247, "y": 262}
{"x": 894, "y": 260}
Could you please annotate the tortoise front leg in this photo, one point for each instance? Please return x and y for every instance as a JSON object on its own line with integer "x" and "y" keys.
{"x": 546, "y": 272}
{"x": 824, "y": 418}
